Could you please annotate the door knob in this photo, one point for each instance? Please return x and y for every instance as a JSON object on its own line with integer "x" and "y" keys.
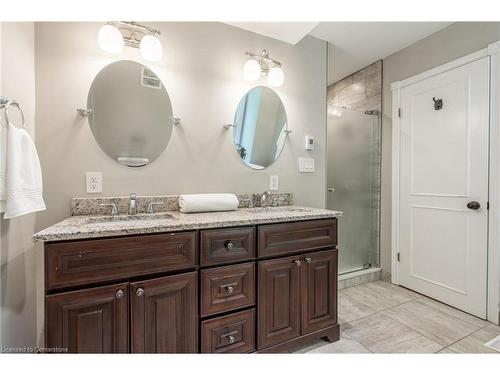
{"x": 140, "y": 292}
{"x": 473, "y": 205}
{"x": 308, "y": 260}
{"x": 119, "y": 294}
{"x": 297, "y": 262}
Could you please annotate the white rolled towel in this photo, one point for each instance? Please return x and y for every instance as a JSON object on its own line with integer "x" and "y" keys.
{"x": 207, "y": 202}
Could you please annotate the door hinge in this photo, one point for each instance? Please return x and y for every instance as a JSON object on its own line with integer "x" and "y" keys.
{"x": 398, "y": 257}
{"x": 399, "y": 112}
{"x": 488, "y": 205}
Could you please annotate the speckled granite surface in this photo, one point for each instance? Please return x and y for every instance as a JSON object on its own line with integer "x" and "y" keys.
{"x": 90, "y": 206}
{"x": 79, "y": 227}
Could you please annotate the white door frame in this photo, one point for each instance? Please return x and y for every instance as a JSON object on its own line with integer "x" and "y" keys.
{"x": 493, "y": 285}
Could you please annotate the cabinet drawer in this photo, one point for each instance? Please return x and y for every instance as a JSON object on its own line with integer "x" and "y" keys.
{"x": 227, "y": 288}
{"x": 88, "y": 261}
{"x": 234, "y": 333}
{"x": 289, "y": 238}
{"x": 227, "y": 245}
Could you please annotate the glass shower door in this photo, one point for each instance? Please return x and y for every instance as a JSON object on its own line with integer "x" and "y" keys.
{"x": 353, "y": 185}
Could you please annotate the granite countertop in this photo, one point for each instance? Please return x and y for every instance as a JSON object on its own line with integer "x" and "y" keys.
{"x": 81, "y": 227}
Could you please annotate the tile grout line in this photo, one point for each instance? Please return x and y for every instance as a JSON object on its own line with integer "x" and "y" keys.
{"x": 411, "y": 329}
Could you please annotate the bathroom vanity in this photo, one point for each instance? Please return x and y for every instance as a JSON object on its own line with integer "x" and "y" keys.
{"x": 252, "y": 280}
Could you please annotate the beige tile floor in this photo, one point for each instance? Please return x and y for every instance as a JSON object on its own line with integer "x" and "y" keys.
{"x": 379, "y": 317}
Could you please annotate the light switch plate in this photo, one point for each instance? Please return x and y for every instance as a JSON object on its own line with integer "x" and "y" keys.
{"x": 93, "y": 182}
{"x": 273, "y": 182}
{"x": 306, "y": 165}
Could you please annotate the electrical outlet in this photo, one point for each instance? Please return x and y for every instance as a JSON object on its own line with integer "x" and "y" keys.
{"x": 273, "y": 182}
{"x": 94, "y": 182}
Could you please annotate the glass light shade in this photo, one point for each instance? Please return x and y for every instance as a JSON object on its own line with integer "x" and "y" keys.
{"x": 275, "y": 76}
{"x": 251, "y": 70}
{"x": 151, "y": 48}
{"x": 110, "y": 39}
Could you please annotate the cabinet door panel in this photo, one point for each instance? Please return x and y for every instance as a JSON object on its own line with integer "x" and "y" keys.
{"x": 279, "y": 301}
{"x": 319, "y": 290}
{"x": 164, "y": 315}
{"x": 89, "y": 321}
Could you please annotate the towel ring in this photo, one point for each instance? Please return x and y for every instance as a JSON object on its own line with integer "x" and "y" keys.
{"x": 14, "y": 104}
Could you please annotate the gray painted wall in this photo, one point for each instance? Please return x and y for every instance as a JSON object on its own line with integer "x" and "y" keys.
{"x": 18, "y": 254}
{"x": 202, "y": 71}
{"x": 455, "y": 41}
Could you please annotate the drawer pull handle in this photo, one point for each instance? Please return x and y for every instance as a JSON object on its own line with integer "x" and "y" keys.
{"x": 231, "y": 339}
{"x": 119, "y": 294}
{"x": 297, "y": 262}
{"x": 230, "y": 245}
{"x": 230, "y": 289}
{"x": 140, "y": 292}
{"x": 307, "y": 259}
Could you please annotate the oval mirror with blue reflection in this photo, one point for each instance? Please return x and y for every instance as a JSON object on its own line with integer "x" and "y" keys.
{"x": 260, "y": 126}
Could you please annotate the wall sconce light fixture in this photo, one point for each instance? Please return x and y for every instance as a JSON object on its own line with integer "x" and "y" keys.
{"x": 259, "y": 65}
{"x": 113, "y": 36}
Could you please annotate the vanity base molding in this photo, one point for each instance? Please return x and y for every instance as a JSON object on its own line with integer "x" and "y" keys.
{"x": 262, "y": 288}
{"x": 330, "y": 334}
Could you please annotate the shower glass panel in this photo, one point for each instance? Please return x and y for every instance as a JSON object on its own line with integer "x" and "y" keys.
{"x": 353, "y": 185}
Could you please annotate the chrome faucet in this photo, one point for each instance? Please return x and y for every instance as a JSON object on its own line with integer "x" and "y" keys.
{"x": 132, "y": 204}
{"x": 263, "y": 197}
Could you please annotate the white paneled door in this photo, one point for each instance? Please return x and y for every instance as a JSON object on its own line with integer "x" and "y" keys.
{"x": 443, "y": 216}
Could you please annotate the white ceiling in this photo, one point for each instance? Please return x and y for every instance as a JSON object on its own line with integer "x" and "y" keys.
{"x": 358, "y": 44}
{"x": 355, "y": 44}
{"x": 290, "y": 32}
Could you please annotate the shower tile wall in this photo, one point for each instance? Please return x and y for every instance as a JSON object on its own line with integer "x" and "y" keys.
{"x": 362, "y": 91}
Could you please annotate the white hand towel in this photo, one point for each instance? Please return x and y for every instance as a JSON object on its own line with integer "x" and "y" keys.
{"x": 3, "y": 166}
{"x": 208, "y": 202}
{"x": 24, "y": 175}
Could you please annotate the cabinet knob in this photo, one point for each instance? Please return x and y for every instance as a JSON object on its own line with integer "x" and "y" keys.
{"x": 140, "y": 292}
{"x": 230, "y": 245}
{"x": 119, "y": 294}
{"x": 297, "y": 262}
{"x": 230, "y": 289}
{"x": 231, "y": 339}
{"x": 307, "y": 259}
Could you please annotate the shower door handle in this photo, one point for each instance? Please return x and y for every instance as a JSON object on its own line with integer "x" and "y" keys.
{"x": 330, "y": 189}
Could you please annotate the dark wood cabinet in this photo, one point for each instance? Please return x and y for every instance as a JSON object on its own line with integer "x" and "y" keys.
{"x": 297, "y": 296}
{"x": 319, "y": 290}
{"x": 164, "y": 315}
{"x": 88, "y": 261}
{"x": 279, "y": 301}
{"x": 297, "y": 237}
{"x": 219, "y": 246}
{"x": 227, "y": 288}
{"x": 233, "y": 333}
{"x": 89, "y": 320}
{"x": 269, "y": 287}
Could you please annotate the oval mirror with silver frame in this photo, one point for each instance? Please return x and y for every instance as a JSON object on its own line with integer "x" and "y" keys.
{"x": 260, "y": 127}
{"x": 130, "y": 113}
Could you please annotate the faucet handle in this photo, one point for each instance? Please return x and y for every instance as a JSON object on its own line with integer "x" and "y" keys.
{"x": 114, "y": 207}
{"x": 151, "y": 206}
